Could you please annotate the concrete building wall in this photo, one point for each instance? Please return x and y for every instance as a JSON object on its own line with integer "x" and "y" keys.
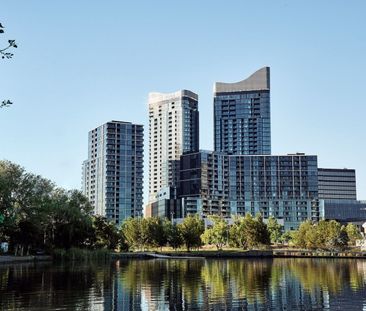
{"x": 173, "y": 131}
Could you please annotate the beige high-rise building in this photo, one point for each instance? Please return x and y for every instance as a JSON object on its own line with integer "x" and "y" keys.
{"x": 173, "y": 131}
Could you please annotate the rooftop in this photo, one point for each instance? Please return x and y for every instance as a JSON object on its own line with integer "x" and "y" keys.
{"x": 258, "y": 81}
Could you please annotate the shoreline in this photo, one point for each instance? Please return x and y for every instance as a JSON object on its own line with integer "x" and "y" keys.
{"x": 24, "y": 259}
{"x": 204, "y": 254}
{"x": 241, "y": 254}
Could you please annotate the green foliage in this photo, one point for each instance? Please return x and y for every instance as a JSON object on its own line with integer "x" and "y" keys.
{"x": 135, "y": 233}
{"x": 37, "y": 215}
{"x": 299, "y": 236}
{"x": 287, "y": 237}
{"x": 353, "y": 233}
{"x": 274, "y": 229}
{"x": 174, "y": 236}
{"x": 218, "y": 234}
{"x": 71, "y": 221}
{"x": 191, "y": 229}
{"x": 322, "y": 235}
{"x": 106, "y": 234}
{"x": 152, "y": 232}
{"x": 248, "y": 232}
{"x": 157, "y": 231}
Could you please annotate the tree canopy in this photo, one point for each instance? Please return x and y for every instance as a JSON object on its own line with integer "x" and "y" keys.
{"x": 191, "y": 229}
{"x": 35, "y": 214}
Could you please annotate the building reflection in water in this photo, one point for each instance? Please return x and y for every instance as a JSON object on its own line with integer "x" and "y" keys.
{"x": 235, "y": 284}
{"x": 240, "y": 284}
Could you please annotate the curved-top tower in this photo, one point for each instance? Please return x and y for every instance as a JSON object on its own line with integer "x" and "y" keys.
{"x": 242, "y": 118}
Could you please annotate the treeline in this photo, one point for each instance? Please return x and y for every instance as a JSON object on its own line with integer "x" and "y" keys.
{"x": 324, "y": 235}
{"x": 246, "y": 232}
{"x": 37, "y": 216}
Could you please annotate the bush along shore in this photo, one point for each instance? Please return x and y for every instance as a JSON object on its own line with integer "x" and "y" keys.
{"x": 38, "y": 218}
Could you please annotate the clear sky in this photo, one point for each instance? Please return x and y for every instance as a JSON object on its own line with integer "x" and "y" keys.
{"x": 82, "y": 63}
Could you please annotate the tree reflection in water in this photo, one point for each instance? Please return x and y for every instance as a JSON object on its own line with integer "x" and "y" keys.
{"x": 234, "y": 284}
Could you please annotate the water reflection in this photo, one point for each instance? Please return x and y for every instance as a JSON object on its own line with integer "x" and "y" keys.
{"x": 282, "y": 284}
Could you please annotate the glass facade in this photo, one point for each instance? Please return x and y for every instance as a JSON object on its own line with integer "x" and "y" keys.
{"x": 285, "y": 187}
{"x": 337, "y": 184}
{"x": 113, "y": 173}
{"x": 344, "y": 211}
{"x": 242, "y": 117}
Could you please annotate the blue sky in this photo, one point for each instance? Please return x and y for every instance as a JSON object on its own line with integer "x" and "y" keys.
{"x": 82, "y": 63}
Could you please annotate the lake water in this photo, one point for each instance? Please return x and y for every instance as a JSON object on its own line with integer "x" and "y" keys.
{"x": 198, "y": 284}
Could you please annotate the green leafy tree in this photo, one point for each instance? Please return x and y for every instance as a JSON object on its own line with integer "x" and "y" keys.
{"x": 249, "y": 232}
{"x": 302, "y": 236}
{"x": 275, "y": 230}
{"x": 218, "y": 234}
{"x": 157, "y": 231}
{"x": 191, "y": 229}
{"x": 353, "y": 233}
{"x": 37, "y": 215}
{"x": 72, "y": 221}
{"x": 11, "y": 176}
{"x": 174, "y": 236}
{"x": 262, "y": 236}
{"x": 336, "y": 235}
{"x": 25, "y": 201}
{"x": 131, "y": 229}
{"x": 237, "y": 233}
{"x": 322, "y": 235}
{"x": 106, "y": 234}
{"x": 137, "y": 233}
{"x": 287, "y": 237}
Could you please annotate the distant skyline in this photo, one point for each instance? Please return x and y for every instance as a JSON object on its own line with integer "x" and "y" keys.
{"x": 81, "y": 64}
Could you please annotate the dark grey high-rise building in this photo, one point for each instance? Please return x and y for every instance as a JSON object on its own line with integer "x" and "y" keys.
{"x": 337, "y": 184}
{"x": 113, "y": 173}
{"x": 242, "y": 118}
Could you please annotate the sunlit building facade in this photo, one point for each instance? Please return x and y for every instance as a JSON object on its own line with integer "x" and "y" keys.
{"x": 173, "y": 131}
{"x": 113, "y": 172}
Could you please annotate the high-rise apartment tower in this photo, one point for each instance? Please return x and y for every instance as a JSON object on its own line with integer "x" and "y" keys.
{"x": 242, "y": 118}
{"x": 113, "y": 172}
{"x": 173, "y": 131}
{"x": 285, "y": 187}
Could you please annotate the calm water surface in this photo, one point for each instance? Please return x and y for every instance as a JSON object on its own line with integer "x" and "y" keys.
{"x": 237, "y": 284}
